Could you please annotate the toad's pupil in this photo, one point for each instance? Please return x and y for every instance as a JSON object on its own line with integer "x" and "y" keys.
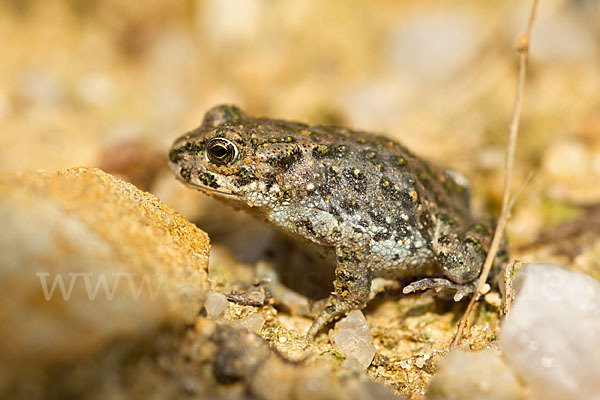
{"x": 219, "y": 150}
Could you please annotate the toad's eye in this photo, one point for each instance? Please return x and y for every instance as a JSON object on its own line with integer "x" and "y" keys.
{"x": 221, "y": 151}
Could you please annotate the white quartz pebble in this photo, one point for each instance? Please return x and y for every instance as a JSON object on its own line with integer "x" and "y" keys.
{"x": 216, "y": 303}
{"x": 252, "y": 323}
{"x": 551, "y": 336}
{"x": 354, "y": 339}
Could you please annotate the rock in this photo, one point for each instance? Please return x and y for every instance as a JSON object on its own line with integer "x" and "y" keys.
{"x": 474, "y": 375}
{"x": 39, "y": 89}
{"x": 354, "y": 339}
{"x": 551, "y": 336}
{"x": 87, "y": 260}
{"x": 253, "y": 323}
{"x": 215, "y": 304}
{"x": 96, "y": 89}
{"x": 565, "y": 160}
{"x": 231, "y": 21}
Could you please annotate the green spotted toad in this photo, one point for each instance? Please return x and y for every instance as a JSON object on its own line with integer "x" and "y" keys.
{"x": 363, "y": 201}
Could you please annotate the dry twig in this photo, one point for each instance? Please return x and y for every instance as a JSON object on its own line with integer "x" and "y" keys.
{"x": 522, "y": 48}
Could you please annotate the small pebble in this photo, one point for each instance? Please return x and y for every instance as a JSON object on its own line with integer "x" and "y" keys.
{"x": 494, "y": 299}
{"x": 231, "y": 21}
{"x": 252, "y": 323}
{"x": 96, "y": 89}
{"x": 354, "y": 339}
{"x": 419, "y": 362}
{"x": 565, "y": 160}
{"x": 215, "y": 304}
{"x": 39, "y": 88}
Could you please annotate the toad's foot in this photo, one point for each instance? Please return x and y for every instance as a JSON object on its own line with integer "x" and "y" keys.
{"x": 351, "y": 291}
{"x": 439, "y": 284}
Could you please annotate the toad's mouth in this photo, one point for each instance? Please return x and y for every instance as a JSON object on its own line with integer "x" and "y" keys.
{"x": 209, "y": 189}
{"x": 215, "y": 192}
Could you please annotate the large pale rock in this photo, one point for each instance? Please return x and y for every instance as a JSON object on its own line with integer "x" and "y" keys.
{"x": 474, "y": 375}
{"x": 86, "y": 260}
{"x": 551, "y": 335}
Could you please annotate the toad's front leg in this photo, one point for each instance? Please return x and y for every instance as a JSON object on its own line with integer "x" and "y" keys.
{"x": 352, "y": 283}
{"x": 352, "y": 280}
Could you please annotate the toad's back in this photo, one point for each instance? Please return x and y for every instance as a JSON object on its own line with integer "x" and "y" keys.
{"x": 377, "y": 186}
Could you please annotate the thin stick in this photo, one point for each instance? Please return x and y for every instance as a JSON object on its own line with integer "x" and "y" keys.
{"x": 523, "y": 50}
{"x": 513, "y": 200}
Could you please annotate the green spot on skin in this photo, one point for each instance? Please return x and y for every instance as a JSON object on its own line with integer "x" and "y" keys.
{"x": 321, "y": 151}
{"x": 208, "y": 180}
{"x": 370, "y": 155}
{"x": 231, "y": 113}
{"x": 194, "y": 147}
{"x": 340, "y": 151}
{"x": 245, "y": 176}
{"x": 400, "y": 161}
{"x": 185, "y": 174}
{"x": 174, "y": 156}
{"x": 286, "y": 160}
{"x": 480, "y": 229}
{"x": 474, "y": 242}
{"x": 448, "y": 220}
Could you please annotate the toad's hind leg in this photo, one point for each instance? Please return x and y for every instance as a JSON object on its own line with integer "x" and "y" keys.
{"x": 352, "y": 283}
{"x": 461, "y": 256}
{"x": 353, "y": 275}
{"x": 439, "y": 284}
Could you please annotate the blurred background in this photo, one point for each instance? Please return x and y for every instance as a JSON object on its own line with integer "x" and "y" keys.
{"x": 111, "y": 83}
